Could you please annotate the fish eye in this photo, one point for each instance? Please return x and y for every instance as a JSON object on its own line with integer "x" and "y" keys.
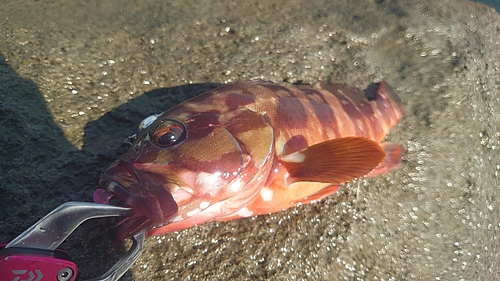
{"x": 168, "y": 133}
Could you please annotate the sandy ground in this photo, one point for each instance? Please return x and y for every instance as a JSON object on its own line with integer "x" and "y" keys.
{"x": 76, "y": 77}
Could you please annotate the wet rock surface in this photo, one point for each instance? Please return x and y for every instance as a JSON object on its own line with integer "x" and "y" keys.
{"x": 76, "y": 79}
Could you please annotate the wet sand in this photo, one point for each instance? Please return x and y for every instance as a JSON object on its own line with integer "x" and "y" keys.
{"x": 77, "y": 77}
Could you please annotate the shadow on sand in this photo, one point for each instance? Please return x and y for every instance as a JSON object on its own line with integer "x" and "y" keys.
{"x": 40, "y": 169}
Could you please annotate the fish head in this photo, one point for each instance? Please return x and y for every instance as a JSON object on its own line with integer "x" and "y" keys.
{"x": 185, "y": 161}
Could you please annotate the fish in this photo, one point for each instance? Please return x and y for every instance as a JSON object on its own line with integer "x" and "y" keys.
{"x": 250, "y": 148}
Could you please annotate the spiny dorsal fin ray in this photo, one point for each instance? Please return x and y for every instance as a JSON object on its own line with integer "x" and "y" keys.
{"x": 334, "y": 161}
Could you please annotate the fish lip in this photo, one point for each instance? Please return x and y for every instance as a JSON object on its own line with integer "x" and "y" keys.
{"x": 132, "y": 223}
{"x": 151, "y": 203}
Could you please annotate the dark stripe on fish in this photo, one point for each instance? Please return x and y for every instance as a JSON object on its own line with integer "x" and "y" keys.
{"x": 295, "y": 143}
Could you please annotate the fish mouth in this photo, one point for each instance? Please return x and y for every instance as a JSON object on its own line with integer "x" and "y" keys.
{"x": 151, "y": 203}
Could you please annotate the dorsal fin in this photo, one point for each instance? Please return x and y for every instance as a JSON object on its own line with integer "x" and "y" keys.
{"x": 334, "y": 161}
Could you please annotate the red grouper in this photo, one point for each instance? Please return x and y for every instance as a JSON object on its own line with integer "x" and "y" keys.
{"x": 251, "y": 148}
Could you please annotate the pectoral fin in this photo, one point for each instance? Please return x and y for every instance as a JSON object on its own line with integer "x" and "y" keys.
{"x": 393, "y": 159}
{"x": 335, "y": 161}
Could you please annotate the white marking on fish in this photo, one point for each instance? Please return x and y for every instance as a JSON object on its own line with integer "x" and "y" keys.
{"x": 236, "y": 186}
{"x": 244, "y": 212}
{"x": 294, "y": 158}
{"x": 209, "y": 183}
{"x": 204, "y": 205}
{"x": 266, "y": 194}
{"x": 177, "y": 218}
{"x": 193, "y": 212}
